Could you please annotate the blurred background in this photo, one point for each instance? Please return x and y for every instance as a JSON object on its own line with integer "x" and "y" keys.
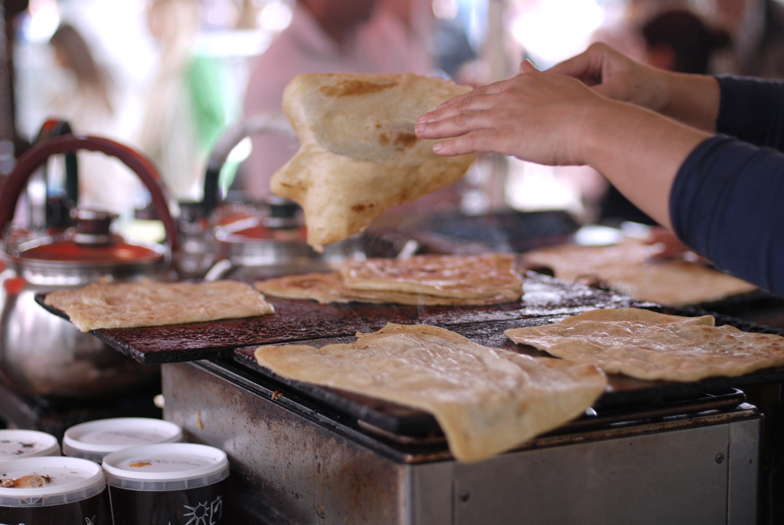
{"x": 168, "y": 76}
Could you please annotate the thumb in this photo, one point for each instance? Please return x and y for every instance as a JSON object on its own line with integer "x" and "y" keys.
{"x": 526, "y": 66}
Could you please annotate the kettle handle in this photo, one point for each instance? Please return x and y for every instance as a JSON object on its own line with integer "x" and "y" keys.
{"x": 39, "y": 153}
{"x": 275, "y": 123}
{"x": 55, "y": 128}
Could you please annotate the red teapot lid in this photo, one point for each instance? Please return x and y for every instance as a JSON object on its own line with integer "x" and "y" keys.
{"x": 89, "y": 243}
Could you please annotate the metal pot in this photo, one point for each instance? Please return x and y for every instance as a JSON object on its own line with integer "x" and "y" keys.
{"x": 272, "y": 242}
{"x": 40, "y": 353}
{"x": 266, "y": 238}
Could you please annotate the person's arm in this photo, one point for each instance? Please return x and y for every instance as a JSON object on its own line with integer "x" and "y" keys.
{"x": 726, "y": 203}
{"x": 752, "y": 110}
{"x": 690, "y": 99}
{"x": 553, "y": 119}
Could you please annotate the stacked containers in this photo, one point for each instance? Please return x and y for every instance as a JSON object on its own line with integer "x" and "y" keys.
{"x": 95, "y": 439}
{"x": 46, "y": 490}
{"x": 167, "y": 483}
{"x": 27, "y": 444}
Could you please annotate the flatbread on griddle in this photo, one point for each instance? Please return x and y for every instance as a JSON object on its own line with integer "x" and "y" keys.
{"x": 147, "y": 303}
{"x": 627, "y": 268}
{"x": 648, "y": 345}
{"x": 359, "y": 153}
{"x": 323, "y": 287}
{"x": 460, "y": 276}
{"x": 486, "y": 400}
{"x": 328, "y": 287}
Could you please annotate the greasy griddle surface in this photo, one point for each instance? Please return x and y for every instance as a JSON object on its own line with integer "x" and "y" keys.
{"x": 304, "y": 320}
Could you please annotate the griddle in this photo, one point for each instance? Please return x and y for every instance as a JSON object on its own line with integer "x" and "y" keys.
{"x": 304, "y": 320}
{"x": 547, "y": 300}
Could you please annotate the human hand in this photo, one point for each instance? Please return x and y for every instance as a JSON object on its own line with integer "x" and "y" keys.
{"x": 538, "y": 117}
{"x": 665, "y": 245}
{"x": 616, "y": 76}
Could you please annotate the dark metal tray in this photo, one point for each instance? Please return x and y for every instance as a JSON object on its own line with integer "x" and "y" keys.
{"x": 303, "y": 320}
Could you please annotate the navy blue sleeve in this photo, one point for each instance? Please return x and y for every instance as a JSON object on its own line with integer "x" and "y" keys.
{"x": 752, "y": 110}
{"x": 727, "y": 203}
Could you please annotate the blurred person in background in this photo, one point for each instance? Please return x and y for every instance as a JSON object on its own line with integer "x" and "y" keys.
{"x": 86, "y": 102}
{"x": 621, "y": 31}
{"x": 325, "y": 36}
{"x": 187, "y": 108}
{"x": 756, "y": 28}
{"x": 677, "y": 41}
{"x": 416, "y": 17}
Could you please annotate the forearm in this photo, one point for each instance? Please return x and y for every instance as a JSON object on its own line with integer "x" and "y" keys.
{"x": 691, "y": 99}
{"x": 554, "y": 119}
{"x": 640, "y": 152}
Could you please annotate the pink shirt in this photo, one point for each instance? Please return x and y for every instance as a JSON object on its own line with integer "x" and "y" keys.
{"x": 380, "y": 46}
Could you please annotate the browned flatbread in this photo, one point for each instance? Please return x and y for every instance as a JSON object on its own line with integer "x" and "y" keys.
{"x": 627, "y": 268}
{"x": 462, "y": 276}
{"x": 147, "y": 303}
{"x": 359, "y": 153}
{"x": 323, "y": 287}
{"x": 329, "y": 288}
{"x": 649, "y": 345}
{"x": 486, "y": 400}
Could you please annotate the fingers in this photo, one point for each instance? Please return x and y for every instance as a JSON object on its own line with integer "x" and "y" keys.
{"x": 452, "y": 124}
{"x": 479, "y": 141}
{"x": 587, "y": 66}
{"x": 464, "y": 101}
{"x": 579, "y": 66}
{"x": 526, "y": 66}
{"x": 458, "y": 115}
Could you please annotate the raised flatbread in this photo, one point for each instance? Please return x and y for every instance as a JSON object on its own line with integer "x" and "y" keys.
{"x": 627, "y": 268}
{"x": 460, "y": 276}
{"x": 648, "y": 345}
{"x": 147, "y": 303}
{"x": 359, "y": 153}
{"x": 328, "y": 287}
{"x": 486, "y": 400}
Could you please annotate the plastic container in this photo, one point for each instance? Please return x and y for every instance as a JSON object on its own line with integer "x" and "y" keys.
{"x": 47, "y": 490}
{"x": 167, "y": 483}
{"x": 95, "y": 439}
{"x": 27, "y": 444}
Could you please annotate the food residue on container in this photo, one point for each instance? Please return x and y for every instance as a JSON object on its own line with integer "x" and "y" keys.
{"x": 140, "y": 464}
{"x": 199, "y": 422}
{"x": 25, "y": 482}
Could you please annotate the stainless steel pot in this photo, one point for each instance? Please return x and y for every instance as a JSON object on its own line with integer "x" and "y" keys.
{"x": 39, "y": 352}
{"x": 269, "y": 238}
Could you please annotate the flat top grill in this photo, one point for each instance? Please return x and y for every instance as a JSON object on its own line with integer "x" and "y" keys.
{"x": 305, "y": 320}
{"x": 546, "y": 300}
